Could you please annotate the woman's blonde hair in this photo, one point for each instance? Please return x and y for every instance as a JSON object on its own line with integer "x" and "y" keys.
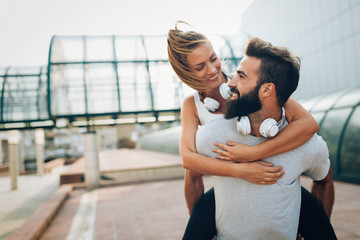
{"x": 179, "y": 45}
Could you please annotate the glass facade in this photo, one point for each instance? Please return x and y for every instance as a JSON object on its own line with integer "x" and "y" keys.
{"x": 94, "y": 78}
{"x": 23, "y": 96}
{"x": 338, "y": 114}
{"x": 128, "y": 79}
{"x": 119, "y": 75}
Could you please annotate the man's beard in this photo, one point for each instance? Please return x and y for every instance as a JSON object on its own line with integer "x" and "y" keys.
{"x": 243, "y": 105}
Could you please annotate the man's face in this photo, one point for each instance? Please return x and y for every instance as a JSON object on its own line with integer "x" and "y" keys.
{"x": 245, "y": 89}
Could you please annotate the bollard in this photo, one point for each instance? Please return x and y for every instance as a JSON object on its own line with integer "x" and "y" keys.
{"x": 92, "y": 171}
{"x": 21, "y": 157}
{"x": 1, "y": 153}
{"x": 40, "y": 151}
{"x": 13, "y": 151}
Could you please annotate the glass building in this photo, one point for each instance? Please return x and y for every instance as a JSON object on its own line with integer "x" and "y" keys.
{"x": 101, "y": 80}
{"x": 95, "y": 81}
{"x": 338, "y": 114}
{"x": 123, "y": 77}
{"x": 23, "y": 97}
{"x": 324, "y": 34}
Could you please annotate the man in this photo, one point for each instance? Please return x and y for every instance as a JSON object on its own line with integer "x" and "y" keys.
{"x": 266, "y": 77}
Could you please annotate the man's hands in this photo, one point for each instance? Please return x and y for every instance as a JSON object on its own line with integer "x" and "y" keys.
{"x": 259, "y": 172}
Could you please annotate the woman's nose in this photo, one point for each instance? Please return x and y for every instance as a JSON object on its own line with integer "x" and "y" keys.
{"x": 212, "y": 69}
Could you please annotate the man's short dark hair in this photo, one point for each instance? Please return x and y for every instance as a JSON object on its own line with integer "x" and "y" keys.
{"x": 278, "y": 66}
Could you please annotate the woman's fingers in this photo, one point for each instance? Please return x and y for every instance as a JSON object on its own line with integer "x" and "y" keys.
{"x": 221, "y": 145}
{"x": 266, "y": 163}
{"x": 274, "y": 176}
{"x": 221, "y": 152}
{"x": 222, "y": 158}
{"x": 270, "y": 167}
{"x": 230, "y": 143}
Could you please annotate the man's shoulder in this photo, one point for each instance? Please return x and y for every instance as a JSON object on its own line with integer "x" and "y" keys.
{"x": 217, "y": 128}
{"x": 220, "y": 122}
{"x": 316, "y": 140}
{"x": 315, "y": 146}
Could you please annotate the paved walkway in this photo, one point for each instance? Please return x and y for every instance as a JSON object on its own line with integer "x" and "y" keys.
{"x": 18, "y": 205}
{"x": 345, "y": 217}
{"x": 158, "y": 211}
{"x": 151, "y": 210}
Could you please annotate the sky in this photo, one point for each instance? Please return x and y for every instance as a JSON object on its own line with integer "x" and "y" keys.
{"x": 27, "y": 25}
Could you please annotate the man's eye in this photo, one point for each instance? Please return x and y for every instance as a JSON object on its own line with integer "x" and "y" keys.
{"x": 214, "y": 59}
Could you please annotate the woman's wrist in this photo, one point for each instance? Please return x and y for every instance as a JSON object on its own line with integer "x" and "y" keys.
{"x": 253, "y": 153}
{"x": 236, "y": 170}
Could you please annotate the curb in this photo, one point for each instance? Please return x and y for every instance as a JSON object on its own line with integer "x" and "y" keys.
{"x": 35, "y": 226}
{"x": 37, "y": 223}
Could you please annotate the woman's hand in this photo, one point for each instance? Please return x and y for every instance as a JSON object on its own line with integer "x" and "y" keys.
{"x": 235, "y": 152}
{"x": 259, "y": 172}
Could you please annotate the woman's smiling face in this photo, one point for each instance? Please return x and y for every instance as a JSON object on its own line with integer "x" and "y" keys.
{"x": 205, "y": 64}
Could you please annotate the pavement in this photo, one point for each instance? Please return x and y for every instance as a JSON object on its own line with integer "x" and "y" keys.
{"x": 16, "y": 206}
{"x": 146, "y": 210}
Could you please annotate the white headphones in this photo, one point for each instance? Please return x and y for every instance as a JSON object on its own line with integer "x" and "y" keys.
{"x": 268, "y": 128}
{"x": 211, "y": 104}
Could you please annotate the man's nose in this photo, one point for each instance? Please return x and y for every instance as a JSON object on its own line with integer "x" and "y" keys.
{"x": 232, "y": 82}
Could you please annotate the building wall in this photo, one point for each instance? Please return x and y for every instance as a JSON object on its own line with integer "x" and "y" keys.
{"x": 325, "y": 34}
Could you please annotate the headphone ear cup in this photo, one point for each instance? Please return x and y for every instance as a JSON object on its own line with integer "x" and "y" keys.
{"x": 243, "y": 125}
{"x": 211, "y": 104}
{"x": 225, "y": 91}
{"x": 269, "y": 128}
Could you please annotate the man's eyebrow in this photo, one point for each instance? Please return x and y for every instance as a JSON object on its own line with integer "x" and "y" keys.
{"x": 241, "y": 72}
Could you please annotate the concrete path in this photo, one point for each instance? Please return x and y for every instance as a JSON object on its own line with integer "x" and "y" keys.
{"x": 17, "y": 205}
{"x": 157, "y": 210}
{"x": 149, "y": 210}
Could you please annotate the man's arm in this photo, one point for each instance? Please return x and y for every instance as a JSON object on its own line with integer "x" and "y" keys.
{"x": 323, "y": 190}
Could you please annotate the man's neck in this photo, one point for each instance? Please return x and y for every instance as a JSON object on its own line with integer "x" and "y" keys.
{"x": 258, "y": 117}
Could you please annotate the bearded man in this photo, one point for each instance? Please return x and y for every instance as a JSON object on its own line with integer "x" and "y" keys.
{"x": 266, "y": 78}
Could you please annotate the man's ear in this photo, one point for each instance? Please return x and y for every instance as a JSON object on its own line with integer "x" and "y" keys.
{"x": 267, "y": 89}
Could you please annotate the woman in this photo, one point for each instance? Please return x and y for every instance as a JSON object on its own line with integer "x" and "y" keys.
{"x": 193, "y": 59}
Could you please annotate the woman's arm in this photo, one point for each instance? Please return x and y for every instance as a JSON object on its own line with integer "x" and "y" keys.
{"x": 260, "y": 173}
{"x": 196, "y": 164}
{"x": 302, "y": 126}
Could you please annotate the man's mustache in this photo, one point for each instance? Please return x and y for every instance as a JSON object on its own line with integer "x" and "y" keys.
{"x": 234, "y": 90}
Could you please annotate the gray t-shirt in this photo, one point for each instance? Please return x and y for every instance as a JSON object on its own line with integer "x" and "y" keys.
{"x": 250, "y": 211}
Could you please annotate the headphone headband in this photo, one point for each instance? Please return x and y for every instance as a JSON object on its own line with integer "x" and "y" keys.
{"x": 281, "y": 122}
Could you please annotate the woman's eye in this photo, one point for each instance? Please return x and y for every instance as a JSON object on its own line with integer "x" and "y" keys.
{"x": 200, "y": 68}
{"x": 214, "y": 59}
